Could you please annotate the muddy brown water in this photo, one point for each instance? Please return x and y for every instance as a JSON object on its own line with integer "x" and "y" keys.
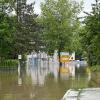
{"x": 39, "y": 83}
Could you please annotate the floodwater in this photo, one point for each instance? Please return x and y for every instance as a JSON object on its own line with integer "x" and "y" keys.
{"x": 39, "y": 80}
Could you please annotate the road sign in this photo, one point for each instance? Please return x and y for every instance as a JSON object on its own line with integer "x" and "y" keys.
{"x": 19, "y": 56}
{"x": 65, "y": 58}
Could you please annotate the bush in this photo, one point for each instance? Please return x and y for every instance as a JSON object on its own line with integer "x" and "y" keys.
{"x": 9, "y": 63}
{"x": 95, "y": 68}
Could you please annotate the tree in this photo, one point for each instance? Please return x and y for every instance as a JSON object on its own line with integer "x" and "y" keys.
{"x": 6, "y": 34}
{"x": 25, "y": 37}
{"x": 60, "y": 24}
{"x": 91, "y": 35}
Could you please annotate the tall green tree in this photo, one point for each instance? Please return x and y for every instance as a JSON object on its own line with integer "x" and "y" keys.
{"x": 91, "y": 35}
{"x": 60, "y": 24}
{"x": 27, "y": 36}
{"x": 22, "y": 29}
{"x": 6, "y": 34}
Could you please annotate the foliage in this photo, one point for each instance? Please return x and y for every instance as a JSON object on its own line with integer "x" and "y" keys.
{"x": 19, "y": 34}
{"x": 95, "y": 68}
{"x": 6, "y": 34}
{"x": 60, "y": 24}
{"x": 9, "y": 63}
{"x": 90, "y": 35}
{"x": 27, "y": 36}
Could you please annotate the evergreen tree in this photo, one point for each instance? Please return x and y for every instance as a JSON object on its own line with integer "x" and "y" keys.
{"x": 91, "y": 35}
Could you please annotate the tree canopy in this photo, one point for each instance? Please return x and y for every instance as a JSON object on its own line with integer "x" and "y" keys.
{"x": 6, "y": 34}
{"x": 20, "y": 32}
{"x": 91, "y": 35}
{"x": 60, "y": 24}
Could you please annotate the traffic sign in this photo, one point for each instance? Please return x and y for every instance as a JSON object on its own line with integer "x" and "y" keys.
{"x": 64, "y": 58}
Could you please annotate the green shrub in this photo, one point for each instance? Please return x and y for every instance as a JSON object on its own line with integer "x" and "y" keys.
{"x": 95, "y": 68}
{"x": 9, "y": 63}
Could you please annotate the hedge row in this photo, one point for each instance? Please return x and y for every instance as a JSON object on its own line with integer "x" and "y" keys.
{"x": 95, "y": 68}
{"x": 9, "y": 63}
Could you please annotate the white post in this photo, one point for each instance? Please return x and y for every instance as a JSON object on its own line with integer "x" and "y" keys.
{"x": 19, "y": 71}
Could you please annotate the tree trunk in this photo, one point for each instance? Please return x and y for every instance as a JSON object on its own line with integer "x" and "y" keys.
{"x": 60, "y": 63}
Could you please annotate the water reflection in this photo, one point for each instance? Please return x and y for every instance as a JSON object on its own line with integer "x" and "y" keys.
{"x": 19, "y": 74}
{"x": 38, "y": 69}
{"x": 39, "y": 81}
{"x": 95, "y": 79}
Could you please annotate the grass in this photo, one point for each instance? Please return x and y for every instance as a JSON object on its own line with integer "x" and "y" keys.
{"x": 9, "y": 63}
{"x": 95, "y": 68}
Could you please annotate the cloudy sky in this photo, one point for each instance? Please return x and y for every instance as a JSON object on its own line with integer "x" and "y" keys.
{"x": 37, "y": 5}
{"x": 87, "y": 5}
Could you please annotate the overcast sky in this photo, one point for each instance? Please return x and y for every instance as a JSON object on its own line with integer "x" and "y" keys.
{"x": 87, "y": 5}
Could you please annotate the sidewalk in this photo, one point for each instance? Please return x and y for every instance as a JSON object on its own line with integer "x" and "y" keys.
{"x": 82, "y": 94}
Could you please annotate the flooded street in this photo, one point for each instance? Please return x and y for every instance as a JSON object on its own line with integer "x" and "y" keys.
{"x": 49, "y": 49}
{"x": 39, "y": 82}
